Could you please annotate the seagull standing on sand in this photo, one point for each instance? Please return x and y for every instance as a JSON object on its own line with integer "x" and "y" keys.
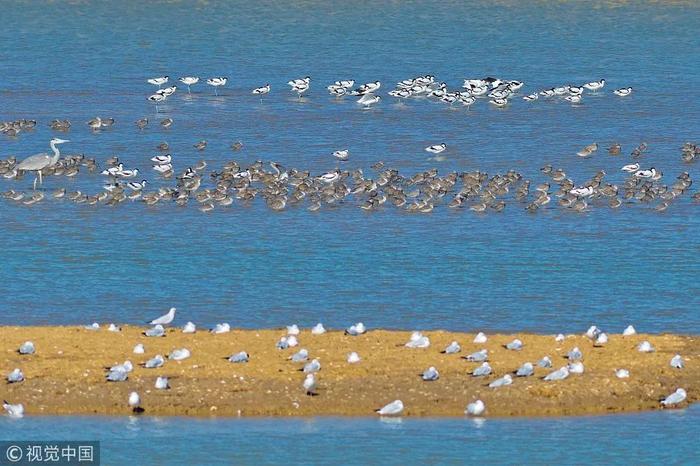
{"x": 162, "y": 383}
{"x": 13, "y": 410}
{"x": 135, "y": 402}
{"x": 27, "y": 348}
{"x": 482, "y": 371}
{"x": 676, "y": 362}
{"x": 392, "y": 409}
{"x": 476, "y": 408}
{"x": 310, "y": 384}
{"x": 318, "y": 329}
{"x": 165, "y": 319}
{"x": 675, "y": 398}
{"x": 480, "y": 338}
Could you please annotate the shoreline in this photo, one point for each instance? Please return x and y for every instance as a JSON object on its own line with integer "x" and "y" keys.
{"x": 66, "y": 375}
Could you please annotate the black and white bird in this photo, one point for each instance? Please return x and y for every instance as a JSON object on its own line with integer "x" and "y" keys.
{"x": 630, "y": 168}
{"x": 189, "y": 81}
{"x": 531, "y": 97}
{"x": 342, "y": 155}
{"x": 574, "y": 98}
{"x": 300, "y": 81}
{"x": 136, "y": 185}
{"x": 368, "y": 100}
{"x": 499, "y": 102}
{"x": 162, "y": 159}
{"x": 645, "y": 173}
{"x": 595, "y": 85}
{"x": 624, "y": 92}
{"x": 159, "y": 81}
{"x": 436, "y": 148}
{"x": 367, "y": 88}
{"x": 217, "y": 82}
{"x": 167, "y": 91}
{"x": 262, "y": 90}
{"x": 157, "y": 98}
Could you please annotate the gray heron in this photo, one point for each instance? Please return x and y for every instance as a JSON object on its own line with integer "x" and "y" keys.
{"x": 40, "y": 161}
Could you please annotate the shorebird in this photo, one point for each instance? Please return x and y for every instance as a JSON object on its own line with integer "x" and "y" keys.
{"x": 165, "y": 319}
{"x": 342, "y": 155}
{"x": 189, "y": 81}
{"x": 157, "y": 98}
{"x": 475, "y": 408}
{"x": 261, "y": 91}
{"x": 624, "y": 92}
{"x": 40, "y": 161}
{"x": 437, "y": 148}
{"x": 368, "y": 100}
{"x": 392, "y": 409}
{"x": 217, "y": 82}
{"x": 595, "y": 85}
{"x": 159, "y": 81}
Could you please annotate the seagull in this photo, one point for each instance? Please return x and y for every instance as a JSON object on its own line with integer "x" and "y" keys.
{"x": 318, "y": 329}
{"x": 480, "y": 338}
{"x": 165, "y": 319}
{"x": 595, "y": 85}
{"x": 93, "y": 326}
{"x": 126, "y": 366}
{"x": 629, "y": 331}
{"x": 117, "y": 376}
{"x": 515, "y": 345}
{"x": 624, "y": 92}
{"x": 559, "y": 338}
{"x": 576, "y": 367}
{"x": 502, "y": 382}
{"x": 630, "y": 168}
{"x": 159, "y": 81}
{"x": 162, "y": 383}
{"x": 342, "y": 155}
{"x": 676, "y": 362}
{"x": 179, "y": 354}
{"x": 282, "y": 343}
{"x": 261, "y": 91}
{"x": 189, "y": 328}
{"x": 430, "y": 374}
{"x": 526, "y": 370}
{"x": 392, "y": 409}
{"x": 622, "y": 373}
{"x": 135, "y": 402}
{"x": 418, "y": 340}
{"x": 113, "y": 328}
{"x": 675, "y": 398}
{"x": 357, "y": 329}
{"x": 645, "y": 347}
{"x": 189, "y": 81}
{"x": 310, "y": 384}
{"x": 311, "y": 367}
{"x": 27, "y": 348}
{"x": 15, "y": 376}
{"x": 437, "y": 148}
{"x": 575, "y": 354}
{"x": 479, "y": 356}
{"x": 353, "y": 358}
{"x": 139, "y": 349}
{"x": 13, "y": 410}
{"x": 155, "y": 362}
{"x": 475, "y": 408}
{"x": 292, "y": 341}
{"x": 452, "y": 348}
{"x": 545, "y": 362}
{"x": 155, "y": 331}
{"x": 483, "y": 370}
{"x": 239, "y": 357}
{"x": 559, "y": 374}
{"x": 601, "y": 340}
{"x": 221, "y": 328}
{"x": 293, "y": 329}
{"x": 368, "y": 100}
{"x": 300, "y": 356}
{"x": 217, "y": 82}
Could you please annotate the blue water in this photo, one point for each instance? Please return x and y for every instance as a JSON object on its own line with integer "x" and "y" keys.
{"x": 650, "y": 438}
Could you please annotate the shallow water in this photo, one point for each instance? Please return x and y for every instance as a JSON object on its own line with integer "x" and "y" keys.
{"x": 554, "y": 271}
{"x": 648, "y": 438}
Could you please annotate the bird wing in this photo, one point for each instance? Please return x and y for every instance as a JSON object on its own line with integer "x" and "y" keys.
{"x": 34, "y": 162}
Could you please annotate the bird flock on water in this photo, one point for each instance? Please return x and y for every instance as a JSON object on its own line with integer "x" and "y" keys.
{"x": 311, "y": 367}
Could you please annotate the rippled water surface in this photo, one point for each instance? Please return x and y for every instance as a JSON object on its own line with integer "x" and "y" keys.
{"x": 552, "y": 271}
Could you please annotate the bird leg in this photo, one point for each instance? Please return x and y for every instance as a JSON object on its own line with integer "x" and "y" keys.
{"x": 41, "y": 180}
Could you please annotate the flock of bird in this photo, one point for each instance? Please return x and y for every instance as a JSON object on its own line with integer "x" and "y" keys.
{"x": 281, "y": 188}
{"x": 311, "y": 367}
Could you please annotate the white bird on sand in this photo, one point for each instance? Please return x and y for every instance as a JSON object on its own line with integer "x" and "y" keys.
{"x": 483, "y": 370}
{"x": 525, "y": 370}
{"x": 436, "y": 148}
{"x": 162, "y": 383}
{"x": 310, "y": 384}
{"x": 155, "y": 331}
{"x": 593, "y": 332}
{"x": 676, "y": 362}
{"x": 622, "y": 373}
{"x": 392, "y": 409}
{"x": 189, "y": 81}
{"x": 675, "y": 398}
{"x": 239, "y": 357}
{"x": 117, "y": 376}
{"x": 135, "y": 402}
{"x": 576, "y": 367}
{"x": 15, "y": 376}
{"x": 159, "y": 81}
{"x": 357, "y": 329}
{"x": 189, "y": 328}
{"x": 502, "y": 382}
{"x": 475, "y": 408}
{"x": 545, "y": 362}
{"x": 300, "y": 356}
{"x": 478, "y": 356}
{"x": 179, "y": 354}
{"x": 559, "y": 374}
{"x": 139, "y": 349}
{"x": 318, "y": 329}
{"x": 515, "y": 345}
{"x": 13, "y": 410}
{"x": 293, "y": 329}
{"x": 430, "y": 374}
{"x": 282, "y": 343}
{"x": 645, "y": 347}
{"x": 217, "y": 82}
{"x": 27, "y": 348}
{"x": 292, "y": 341}
{"x": 40, "y": 161}
{"x": 155, "y": 362}
{"x": 629, "y": 331}
{"x": 575, "y": 354}
{"x": 93, "y": 326}
{"x": 452, "y": 348}
{"x": 353, "y": 358}
{"x": 114, "y": 328}
{"x": 418, "y": 340}
{"x": 601, "y": 340}
{"x": 480, "y": 338}
{"x": 221, "y": 328}
{"x": 311, "y": 367}
{"x": 165, "y": 319}
{"x": 559, "y": 338}
{"x": 126, "y": 366}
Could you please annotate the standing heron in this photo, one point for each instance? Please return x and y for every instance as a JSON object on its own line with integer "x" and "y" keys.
{"x": 40, "y": 161}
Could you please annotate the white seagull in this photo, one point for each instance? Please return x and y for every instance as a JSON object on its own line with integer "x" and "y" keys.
{"x": 165, "y": 319}
{"x": 392, "y": 409}
{"x": 475, "y": 408}
{"x": 675, "y": 398}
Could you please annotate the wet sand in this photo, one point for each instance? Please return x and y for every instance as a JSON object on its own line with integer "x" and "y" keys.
{"x": 67, "y": 375}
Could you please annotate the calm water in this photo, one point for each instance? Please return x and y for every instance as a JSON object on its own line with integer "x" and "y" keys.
{"x": 666, "y": 439}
